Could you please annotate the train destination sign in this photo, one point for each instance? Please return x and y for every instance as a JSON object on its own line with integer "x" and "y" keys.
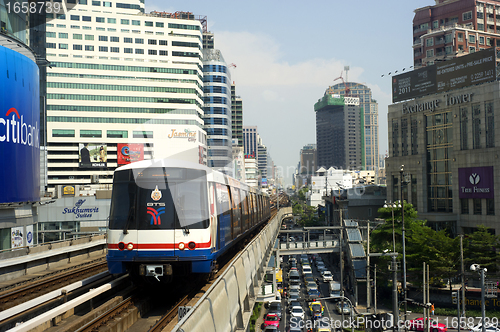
{"x": 475, "y": 68}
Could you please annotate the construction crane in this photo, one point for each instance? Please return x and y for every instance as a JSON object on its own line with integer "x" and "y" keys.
{"x": 347, "y": 90}
{"x": 232, "y": 65}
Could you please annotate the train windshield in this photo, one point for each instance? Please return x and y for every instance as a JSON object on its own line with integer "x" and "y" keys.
{"x": 159, "y": 198}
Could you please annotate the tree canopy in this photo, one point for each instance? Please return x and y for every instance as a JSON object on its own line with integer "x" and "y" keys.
{"x": 436, "y": 248}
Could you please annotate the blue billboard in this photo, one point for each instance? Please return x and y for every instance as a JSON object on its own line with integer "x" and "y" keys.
{"x": 19, "y": 128}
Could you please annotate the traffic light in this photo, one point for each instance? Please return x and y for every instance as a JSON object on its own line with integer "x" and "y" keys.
{"x": 454, "y": 297}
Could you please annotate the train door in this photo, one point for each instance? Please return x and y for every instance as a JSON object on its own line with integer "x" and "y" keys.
{"x": 223, "y": 215}
{"x": 157, "y": 219}
{"x": 236, "y": 208}
{"x": 214, "y": 224}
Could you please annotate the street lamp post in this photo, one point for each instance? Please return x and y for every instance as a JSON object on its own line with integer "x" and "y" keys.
{"x": 482, "y": 271}
{"x": 392, "y": 205}
{"x": 404, "y": 246}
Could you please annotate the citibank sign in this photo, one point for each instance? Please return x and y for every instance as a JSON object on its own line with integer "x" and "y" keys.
{"x": 17, "y": 131}
{"x": 432, "y": 105}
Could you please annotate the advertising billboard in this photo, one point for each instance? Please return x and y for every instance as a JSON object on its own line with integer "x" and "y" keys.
{"x": 129, "y": 152}
{"x": 19, "y": 128}
{"x": 476, "y": 182}
{"x": 92, "y": 155}
{"x": 17, "y": 237}
{"x": 414, "y": 84}
{"x": 475, "y": 68}
{"x": 468, "y": 70}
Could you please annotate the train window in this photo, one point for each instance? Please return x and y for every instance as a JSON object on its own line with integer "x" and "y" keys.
{"x": 122, "y": 205}
{"x": 156, "y": 201}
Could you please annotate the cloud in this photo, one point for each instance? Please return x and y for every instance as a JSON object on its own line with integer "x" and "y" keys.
{"x": 260, "y": 62}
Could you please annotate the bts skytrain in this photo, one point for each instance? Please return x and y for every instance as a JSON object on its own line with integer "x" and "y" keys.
{"x": 173, "y": 218}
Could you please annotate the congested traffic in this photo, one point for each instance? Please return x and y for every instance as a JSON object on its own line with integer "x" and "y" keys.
{"x": 310, "y": 293}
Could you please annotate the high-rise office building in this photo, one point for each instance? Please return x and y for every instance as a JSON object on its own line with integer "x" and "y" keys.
{"x": 369, "y": 120}
{"x": 338, "y": 132}
{"x": 453, "y": 28}
{"x": 217, "y": 109}
{"x": 123, "y": 86}
{"x": 262, "y": 159}
{"x": 250, "y": 141}
{"x": 236, "y": 117}
{"x": 308, "y": 162}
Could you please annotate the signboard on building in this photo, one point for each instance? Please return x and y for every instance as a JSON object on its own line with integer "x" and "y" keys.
{"x": 129, "y": 152}
{"x": 68, "y": 191}
{"x": 17, "y": 237}
{"x": 19, "y": 127}
{"x": 416, "y": 83}
{"x": 475, "y": 68}
{"x": 29, "y": 235}
{"x": 468, "y": 70}
{"x": 476, "y": 182}
{"x": 92, "y": 155}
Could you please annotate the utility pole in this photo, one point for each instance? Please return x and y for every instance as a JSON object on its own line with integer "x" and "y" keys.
{"x": 395, "y": 294}
{"x": 424, "y": 298}
{"x": 341, "y": 261}
{"x": 462, "y": 274}
{"x": 428, "y": 296}
{"x": 368, "y": 288}
{"x": 404, "y": 240}
{"x": 375, "y": 289}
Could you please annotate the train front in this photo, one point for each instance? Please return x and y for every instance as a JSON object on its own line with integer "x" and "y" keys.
{"x": 159, "y": 223}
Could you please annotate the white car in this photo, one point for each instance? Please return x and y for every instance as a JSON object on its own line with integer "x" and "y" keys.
{"x": 297, "y": 311}
{"x": 489, "y": 328}
{"x": 327, "y": 276}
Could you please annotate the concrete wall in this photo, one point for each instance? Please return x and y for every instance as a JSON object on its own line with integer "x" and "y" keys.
{"x": 227, "y": 305}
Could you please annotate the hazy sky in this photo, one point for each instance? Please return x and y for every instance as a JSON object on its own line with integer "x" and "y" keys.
{"x": 288, "y": 52}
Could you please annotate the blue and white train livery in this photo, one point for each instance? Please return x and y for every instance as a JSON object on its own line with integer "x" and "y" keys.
{"x": 170, "y": 217}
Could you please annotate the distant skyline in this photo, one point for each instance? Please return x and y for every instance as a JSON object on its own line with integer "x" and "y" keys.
{"x": 288, "y": 53}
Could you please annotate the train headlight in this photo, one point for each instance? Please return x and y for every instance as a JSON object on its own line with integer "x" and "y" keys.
{"x": 121, "y": 245}
{"x": 191, "y": 245}
{"x": 130, "y": 246}
{"x": 182, "y": 246}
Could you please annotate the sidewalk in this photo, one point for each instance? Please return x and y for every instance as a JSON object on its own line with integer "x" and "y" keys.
{"x": 260, "y": 320}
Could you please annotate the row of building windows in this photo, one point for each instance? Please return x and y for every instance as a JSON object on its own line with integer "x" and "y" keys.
{"x": 216, "y": 121}
{"x": 85, "y": 27}
{"x": 127, "y": 40}
{"x": 477, "y": 206}
{"x": 110, "y": 20}
{"x": 121, "y": 120}
{"x": 218, "y": 142}
{"x": 78, "y": 108}
{"x": 217, "y": 131}
{"x": 114, "y": 87}
{"x": 122, "y": 68}
{"x": 215, "y": 100}
{"x": 129, "y": 99}
{"x": 77, "y": 47}
{"x": 98, "y": 133}
{"x": 215, "y": 89}
{"x": 215, "y": 110}
{"x": 219, "y": 153}
{"x": 215, "y": 69}
{"x": 126, "y": 78}
{"x": 214, "y": 79}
